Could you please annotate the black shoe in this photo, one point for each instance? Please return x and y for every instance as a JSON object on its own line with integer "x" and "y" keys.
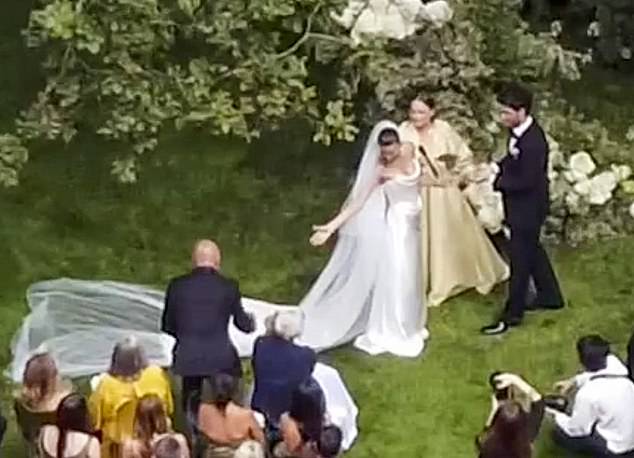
{"x": 495, "y": 329}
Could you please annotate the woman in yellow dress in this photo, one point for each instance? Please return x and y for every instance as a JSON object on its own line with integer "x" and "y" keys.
{"x": 113, "y": 403}
{"x": 457, "y": 253}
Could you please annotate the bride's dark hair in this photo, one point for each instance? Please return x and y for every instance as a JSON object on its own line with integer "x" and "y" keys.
{"x": 388, "y": 136}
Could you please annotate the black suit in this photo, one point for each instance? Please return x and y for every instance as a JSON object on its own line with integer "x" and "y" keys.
{"x": 523, "y": 182}
{"x": 198, "y": 307}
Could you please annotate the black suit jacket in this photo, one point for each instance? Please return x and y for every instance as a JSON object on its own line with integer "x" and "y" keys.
{"x": 198, "y": 307}
{"x": 523, "y": 181}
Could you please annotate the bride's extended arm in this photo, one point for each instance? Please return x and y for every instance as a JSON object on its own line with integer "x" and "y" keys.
{"x": 323, "y": 232}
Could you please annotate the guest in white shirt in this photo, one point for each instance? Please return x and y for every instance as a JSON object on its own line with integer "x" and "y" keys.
{"x": 602, "y": 420}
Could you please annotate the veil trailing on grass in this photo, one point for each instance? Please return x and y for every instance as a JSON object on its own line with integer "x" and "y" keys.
{"x": 80, "y": 321}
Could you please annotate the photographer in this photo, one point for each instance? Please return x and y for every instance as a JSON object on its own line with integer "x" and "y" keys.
{"x": 516, "y": 415}
{"x": 602, "y": 420}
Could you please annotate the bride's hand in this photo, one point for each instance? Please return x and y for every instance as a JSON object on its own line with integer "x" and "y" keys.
{"x": 320, "y": 235}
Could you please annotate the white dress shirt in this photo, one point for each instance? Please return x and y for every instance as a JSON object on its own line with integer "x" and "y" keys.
{"x": 605, "y": 404}
{"x": 518, "y": 131}
{"x": 613, "y": 366}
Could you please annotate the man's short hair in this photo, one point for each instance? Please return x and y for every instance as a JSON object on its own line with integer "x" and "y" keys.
{"x": 517, "y": 97}
{"x": 593, "y": 351}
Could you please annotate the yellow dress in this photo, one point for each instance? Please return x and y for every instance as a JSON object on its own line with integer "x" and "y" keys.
{"x": 114, "y": 401}
{"x": 457, "y": 253}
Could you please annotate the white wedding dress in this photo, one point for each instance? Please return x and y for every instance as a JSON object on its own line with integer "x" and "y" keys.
{"x": 369, "y": 292}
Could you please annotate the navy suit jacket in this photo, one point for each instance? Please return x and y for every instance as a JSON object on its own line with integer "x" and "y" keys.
{"x": 198, "y": 308}
{"x": 279, "y": 366}
{"x": 523, "y": 181}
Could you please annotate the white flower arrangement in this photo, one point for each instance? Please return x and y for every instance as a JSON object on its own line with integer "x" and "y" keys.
{"x": 396, "y": 19}
{"x": 582, "y": 163}
{"x": 583, "y": 186}
{"x": 576, "y": 182}
{"x": 486, "y": 202}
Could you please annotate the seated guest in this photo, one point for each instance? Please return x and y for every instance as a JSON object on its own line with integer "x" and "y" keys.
{"x": 113, "y": 403}
{"x": 279, "y": 365}
{"x": 42, "y": 387}
{"x": 250, "y": 449}
{"x": 222, "y": 422}
{"x": 302, "y": 425}
{"x": 516, "y": 415}
{"x": 72, "y": 435}
{"x": 602, "y": 420}
{"x": 151, "y": 423}
{"x": 168, "y": 447}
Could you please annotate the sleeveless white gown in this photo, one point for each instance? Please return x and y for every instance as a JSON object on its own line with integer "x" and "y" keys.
{"x": 397, "y": 312}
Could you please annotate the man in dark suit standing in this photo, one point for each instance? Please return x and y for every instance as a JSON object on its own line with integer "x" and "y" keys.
{"x": 198, "y": 307}
{"x": 523, "y": 182}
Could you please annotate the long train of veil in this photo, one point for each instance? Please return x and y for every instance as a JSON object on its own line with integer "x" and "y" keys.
{"x": 79, "y": 321}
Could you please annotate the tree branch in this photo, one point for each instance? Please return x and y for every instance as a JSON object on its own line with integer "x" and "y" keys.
{"x": 305, "y": 35}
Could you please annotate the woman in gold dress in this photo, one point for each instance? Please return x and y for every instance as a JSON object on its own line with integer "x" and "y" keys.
{"x": 457, "y": 253}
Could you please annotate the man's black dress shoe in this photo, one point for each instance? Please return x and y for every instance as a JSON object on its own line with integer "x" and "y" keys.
{"x": 500, "y": 327}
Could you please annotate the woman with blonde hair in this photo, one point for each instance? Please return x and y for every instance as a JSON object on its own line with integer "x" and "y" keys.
{"x": 42, "y": 387}
{"x": 457, "y": 253}
{"x": 114, "y": 401}
{"x": 151, "y": 424}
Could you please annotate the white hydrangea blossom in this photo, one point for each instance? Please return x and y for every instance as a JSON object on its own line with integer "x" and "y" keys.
{"x": 601, "y": 187}
{"x": 391, "y": 18}
{"x": 573, "y": 202}
{"x": 594, "y": 30}
{"x": 582, "y": 187}
{"x": 622, "y": 172}
{"x": 556, "y": 28}
{"x": 486, "y": 201}
{"x": 632, "y": 210}
{"x": 626, "y": 53}
{"x": 582, "y": 163}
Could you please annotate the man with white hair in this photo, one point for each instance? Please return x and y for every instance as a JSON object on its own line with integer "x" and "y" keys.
{"x": 280, "y": 365}
{"x": 198, "y": 307}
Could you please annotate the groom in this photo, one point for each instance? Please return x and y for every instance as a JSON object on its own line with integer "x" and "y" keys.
{"x": 523, "y": 182}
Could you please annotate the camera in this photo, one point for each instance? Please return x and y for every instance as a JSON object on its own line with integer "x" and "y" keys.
{"x": 556, "y": 402}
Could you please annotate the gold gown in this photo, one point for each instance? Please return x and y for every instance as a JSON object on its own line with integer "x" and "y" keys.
{"x": 457, "y": 253}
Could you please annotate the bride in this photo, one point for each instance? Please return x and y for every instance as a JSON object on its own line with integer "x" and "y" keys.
{"x": 371, "y": 285}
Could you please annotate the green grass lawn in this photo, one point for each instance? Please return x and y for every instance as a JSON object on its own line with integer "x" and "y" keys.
{"x": 68, "y": 218}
